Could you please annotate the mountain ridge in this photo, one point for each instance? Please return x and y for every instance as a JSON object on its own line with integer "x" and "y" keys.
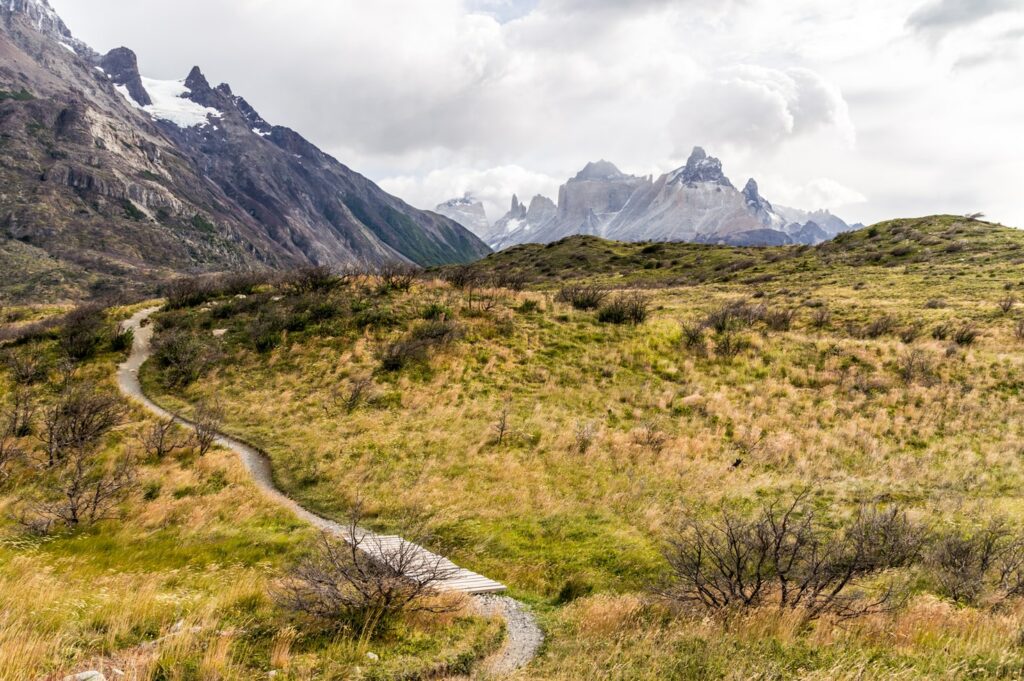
{"x": 136, "y": 180}
{"x": 695, "y": 203}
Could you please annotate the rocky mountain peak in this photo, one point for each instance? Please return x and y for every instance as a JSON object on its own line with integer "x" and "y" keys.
{"x": 122, "y": 67}
{"x": 46, "y": 21}
{"x": 599, "y": 170}
{"x": 196, "y": 81}
{"x": 701, "y": 169}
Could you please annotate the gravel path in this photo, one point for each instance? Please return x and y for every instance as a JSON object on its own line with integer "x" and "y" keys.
{"x": 524, "y": 636}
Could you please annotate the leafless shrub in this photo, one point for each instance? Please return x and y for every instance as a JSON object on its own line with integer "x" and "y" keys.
{"x": 1018, "y": 330}
{"x": 780, "y": 320}
{"x": 359, "y": 390}
{"x": 625, "y": 308}
{"x": 194, "y": 291}
{"x": 582, "y": 297}
{"x": 914, "y": 366}
{"x": 882, "y": 326}
{"x": 1007, "y": 304}
{"x": 159, "y": 441}
{"x": 788, "y": 557}
{"x": 503, "y": 425}
{"x": 208, "y": 421}
{"x": 10, "y": 452}
{"x": 942, "y": 331}
{"x": 693, "y": 338}
{"x": 585, "y": 434}
{"x": 821, "y": 318}
{"x": 365, "y": 583}
{"x": 730, "y": 344}
{"x": 650, "y": 436}
{"x": 81, "y": 490}
{"x": 26, "y": 369}
{"x": 396, "y": 277}
{"x": 513, "y": 281}
{"x": 909, "y": 334}
{"x": 986, "y": 561}
{"x": 78, "y": 421}
{"x": 318, "y": 279}
{"x": 416, "y": 346}
{"x": 461, "y": 277}
{"x": 935, "y": 304}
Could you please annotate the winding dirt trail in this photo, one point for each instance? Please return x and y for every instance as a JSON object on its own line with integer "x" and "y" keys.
{"x": 524, "y": 636}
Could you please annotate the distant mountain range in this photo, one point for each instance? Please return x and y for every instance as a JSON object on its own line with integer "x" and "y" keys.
{"x": 696, "y": 203}
{"x": 109, "y": 178}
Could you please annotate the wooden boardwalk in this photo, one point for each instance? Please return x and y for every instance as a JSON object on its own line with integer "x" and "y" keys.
{"x": 256, "y": 462}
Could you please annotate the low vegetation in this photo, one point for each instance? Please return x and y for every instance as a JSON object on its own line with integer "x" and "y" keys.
{"x": 785, "y": 463}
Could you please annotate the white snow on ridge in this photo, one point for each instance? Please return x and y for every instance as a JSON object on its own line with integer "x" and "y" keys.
{"x": 169, "y": 103}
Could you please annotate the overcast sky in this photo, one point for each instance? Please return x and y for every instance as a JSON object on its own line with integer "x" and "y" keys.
{"x": 874, "y": 108}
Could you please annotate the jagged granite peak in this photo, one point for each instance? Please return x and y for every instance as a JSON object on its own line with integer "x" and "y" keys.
{"x": 599, "y": 170}
{"x": 517, "y": 209}
{"x": 541, "y": 210}
{"x": 700, "y": 169}
{"x": 122, "y": 67}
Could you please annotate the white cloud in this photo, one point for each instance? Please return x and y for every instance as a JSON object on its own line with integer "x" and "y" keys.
{"x": 433, "y": 93}
{"x": 493, "y": 186}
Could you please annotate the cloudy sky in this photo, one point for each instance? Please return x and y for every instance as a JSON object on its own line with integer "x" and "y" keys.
{"x": 874, "y": 108}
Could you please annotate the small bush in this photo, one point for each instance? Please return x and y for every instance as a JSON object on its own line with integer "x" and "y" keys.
{"x": 311, "y": 280}
{"x": 182, "y": 357}
{"x": 1018, "y": 330}
{"x": 821, "y": 319}
{"x": 122, "y": 339}
{"x": 935, "y": 304}
{"x": 1007, "y": 304}
{"x": 965, "y": 335}
{"x": 882, "y": 326}
{"x": 83, "y": 331}
{"x": 626, "y": 308}
{"x": 780, "y": 320}
{"x": 582, "y": 297}
{"x": 529, "y": 306}
{"x": 942, "y": 332}
{"x": 436, "y": 311}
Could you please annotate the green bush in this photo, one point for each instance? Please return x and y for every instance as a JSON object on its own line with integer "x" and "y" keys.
{"x": 627, "y": 308}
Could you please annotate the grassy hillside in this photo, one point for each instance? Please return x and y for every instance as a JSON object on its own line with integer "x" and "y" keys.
{"x": 557, "y": 452}
{"x": 179, "y": 581}
{"x": 935, "y": 242}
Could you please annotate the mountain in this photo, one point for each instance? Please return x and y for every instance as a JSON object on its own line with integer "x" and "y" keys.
{"x": 469, "y": 213}
{"x": 695, "y": 203}
{"x": 521, "y": 221}
{"x": 110, "y": 180}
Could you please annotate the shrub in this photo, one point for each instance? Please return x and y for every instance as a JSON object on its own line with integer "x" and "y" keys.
{"x": 396, "y": 277}
{"x": 942, "y": 331}
{"x": 965, "y": 335}
{"x": 935, "y": 304}
{"x": 1007, "y": 304}
{"x": 182, "y": 357}
{"x": 625, "y": 308}
{"x": 787, "y": 556}
{"x": 989, "y": 559}
{"x": 821, "y": 319}
{"x": 528, "y": 306}
{"x": 693, "y": 336}
{"x": 317, "y": 279}
{"x": 1018, "y": 330}
{"x": 83, "y": 331}
{"x": 582, "y": 297}
{"x": 435, "y": 311}
{"x": 914, "y": 366}
{"x": 780, "y": 320}
{"x": 364, "y": 584}
{"x": 882, "y": 326}
{"x": 585, "y": 433}
{"x": 122, "y": 339}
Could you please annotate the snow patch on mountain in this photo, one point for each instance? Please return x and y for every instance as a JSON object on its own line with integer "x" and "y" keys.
{"x": 171, "y": 103}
